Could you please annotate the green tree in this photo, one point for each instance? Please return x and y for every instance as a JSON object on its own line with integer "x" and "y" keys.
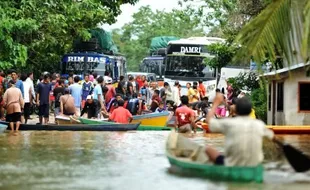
{"x": 282, "y": 28}
{"x": 226, "y": 17}
{"x": 223, "y": 55}
{"x": 34, "y": 34}
{"x": 134, "y": 38}
{"x": 258, "y": 91}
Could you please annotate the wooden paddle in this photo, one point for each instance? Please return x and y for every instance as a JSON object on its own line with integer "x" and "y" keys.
{"x": 297, "y": 159}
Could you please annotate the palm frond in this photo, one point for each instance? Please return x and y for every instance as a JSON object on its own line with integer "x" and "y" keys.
{"x": 306, "y": 39}
{"x": 271, "y": 31}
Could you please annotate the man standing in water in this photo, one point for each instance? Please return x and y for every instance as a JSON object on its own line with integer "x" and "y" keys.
{"x": 43, "y": 94}
{"x": 13, "y": 103}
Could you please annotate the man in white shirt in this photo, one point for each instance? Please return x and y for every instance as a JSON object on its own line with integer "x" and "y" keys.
{"x": 27, "y": 97}
{"x": 29, "y": 80}
{"x": 175, "y": 94}
{"x": 243, "y": 135}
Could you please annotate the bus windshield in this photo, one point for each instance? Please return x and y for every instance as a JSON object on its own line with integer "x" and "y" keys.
{"x": 155, "y": 65}
{"x": 185, "y": 66}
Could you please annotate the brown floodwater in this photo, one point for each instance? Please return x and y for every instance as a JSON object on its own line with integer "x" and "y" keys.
{"x": 54, "y": 160}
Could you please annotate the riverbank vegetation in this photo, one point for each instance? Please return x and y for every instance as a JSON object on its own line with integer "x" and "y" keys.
{"x": 34, "y": 34}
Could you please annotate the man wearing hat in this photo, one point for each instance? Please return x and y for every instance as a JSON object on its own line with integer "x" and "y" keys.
{"x": 92, "y": 108}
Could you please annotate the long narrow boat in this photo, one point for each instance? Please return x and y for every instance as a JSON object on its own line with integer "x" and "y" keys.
{"x": 75, "y": 127}
{"x": 286, "y": 129}
{"x": 188, "y": 158}
{"x": 61, "y": 120}
{"x": 153, "y": 121}
{"x": 148, "y": 121}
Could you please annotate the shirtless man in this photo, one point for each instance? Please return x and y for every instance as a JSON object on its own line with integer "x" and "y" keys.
{"x": 13, "y": 103}
{"x": 67, "y": 106}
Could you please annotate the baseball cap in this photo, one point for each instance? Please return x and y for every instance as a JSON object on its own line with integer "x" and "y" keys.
{"x": 89, "y": 97}
{"x": 108, "y": 81}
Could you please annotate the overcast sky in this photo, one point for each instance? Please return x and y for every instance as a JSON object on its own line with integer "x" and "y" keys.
{"x": 129, "y": 10}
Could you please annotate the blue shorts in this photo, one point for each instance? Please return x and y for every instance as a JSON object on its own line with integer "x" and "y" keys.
{"x": 219, "y": 160}
{"x": 44, "y": 110}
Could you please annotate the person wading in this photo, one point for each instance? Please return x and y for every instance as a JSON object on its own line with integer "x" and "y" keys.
{"x": 13, "y": 103}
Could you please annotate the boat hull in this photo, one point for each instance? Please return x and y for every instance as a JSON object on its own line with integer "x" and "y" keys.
{"x": 189, "y": 158}
{"x": 277, "y": 129}
{"x": 75, "y": 127}
{"x": 152, "y": 119}
{"x": 147, "y": 119}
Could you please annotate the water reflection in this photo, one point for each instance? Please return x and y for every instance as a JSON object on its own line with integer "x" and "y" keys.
{"x": 121, "y": 160}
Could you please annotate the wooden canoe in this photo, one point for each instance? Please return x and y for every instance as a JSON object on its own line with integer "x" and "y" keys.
{"x": 62, "y": 120}
{"x": 152, "y": 119}
{"x": 140, "y": 128}
{"x": 276, "y": 129}
{"x": 188, "y": 158}
{"x": 77, "y": 127}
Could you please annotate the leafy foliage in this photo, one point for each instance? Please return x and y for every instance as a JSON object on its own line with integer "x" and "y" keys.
{"x": 226, "y": 17}
{"x": 223, "y": 55}
{"x": 258, "y": 95}
{"x": 245, "y": 81}
{"x": 34, "y": 34}
{"x": 134, "y": 38}
{"x": 278, "y": 30}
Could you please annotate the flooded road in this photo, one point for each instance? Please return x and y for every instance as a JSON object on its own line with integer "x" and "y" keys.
{"x": 121, "y": 160}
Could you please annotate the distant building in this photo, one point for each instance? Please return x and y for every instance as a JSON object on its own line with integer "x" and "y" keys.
{"x": 289, "y": 95}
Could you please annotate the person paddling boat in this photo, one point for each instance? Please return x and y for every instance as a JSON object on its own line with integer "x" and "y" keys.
{"x": 243, "y": 135}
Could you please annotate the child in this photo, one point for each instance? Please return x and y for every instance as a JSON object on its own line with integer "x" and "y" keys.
{"x": 161, "y": 107}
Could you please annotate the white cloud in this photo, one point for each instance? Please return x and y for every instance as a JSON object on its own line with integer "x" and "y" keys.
{"x": 128, "y": 10}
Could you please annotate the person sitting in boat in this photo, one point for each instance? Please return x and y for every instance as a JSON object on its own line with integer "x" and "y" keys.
{"x": 243, "y": 135}
{"x": 185, "y": 117}
{"x": 135, "y": 106}
{"x": 155, "y": 101}
{"x": 120, "y": 114}
{"x": 67, "y": 106}
{"x": 92, "y": 108}
{"x": 161, "y": 107}
{"x": 113, "y": 104}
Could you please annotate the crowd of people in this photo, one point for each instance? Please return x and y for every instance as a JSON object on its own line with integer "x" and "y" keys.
{"x": 98, "y": 97}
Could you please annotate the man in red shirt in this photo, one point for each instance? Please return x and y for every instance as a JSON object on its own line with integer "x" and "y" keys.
{"x": 202, "y": 89}
{"x": 111, "y": 91}
{"x": 120, "y": 114}
{"x": 185, "y": 117}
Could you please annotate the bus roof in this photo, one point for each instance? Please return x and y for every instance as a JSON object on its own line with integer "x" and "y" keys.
{"x": 197, "y": 41}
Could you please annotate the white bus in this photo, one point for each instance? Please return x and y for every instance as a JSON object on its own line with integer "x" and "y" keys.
{"x": 184, "y": 62}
